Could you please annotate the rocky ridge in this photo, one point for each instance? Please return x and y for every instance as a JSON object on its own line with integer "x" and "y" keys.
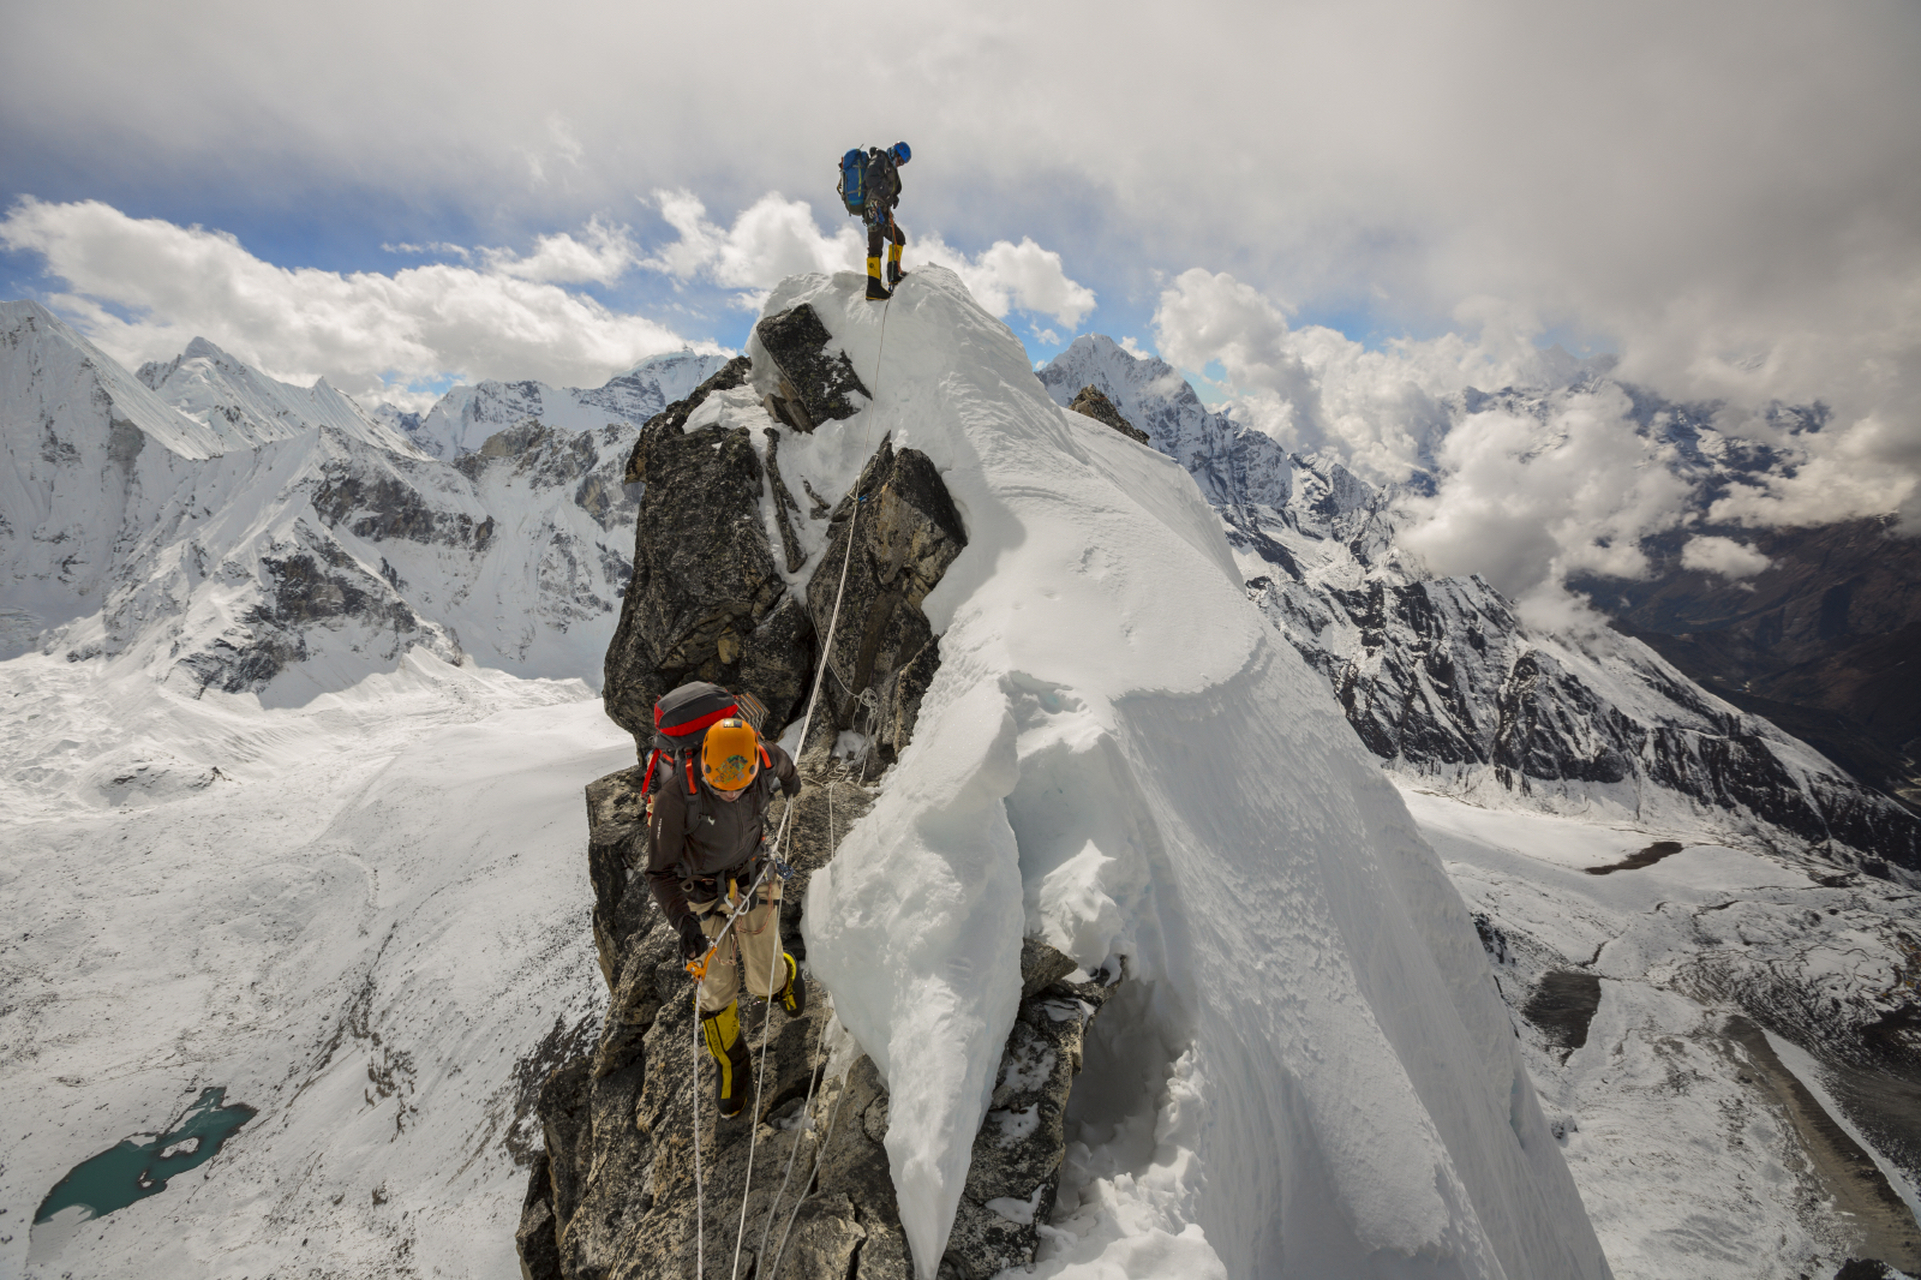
{"x": 613, "y": 1193}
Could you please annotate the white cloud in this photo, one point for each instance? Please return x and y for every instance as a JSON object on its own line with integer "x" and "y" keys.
{"x": 1724, "y": 556}
{"x": 1314, "y": 388}
{"x": 602, "y": 257}
{"x": 362, "y": 330}
{"x": 1867, "y": 468}
{"x": 776, "y": 237}
{"x": 1020, "y": 277}
{"x": 1528, "y": 514}
{"x": 1723, "y": 190}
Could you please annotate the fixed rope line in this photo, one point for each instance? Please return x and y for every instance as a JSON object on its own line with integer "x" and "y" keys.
{"x": 813, "y": 1080}
{"x": 700, "y": 1206}
{"x": 773, "y": 1209}
{"x": 806, "y": 1110}
{"x": 698, "y": 968}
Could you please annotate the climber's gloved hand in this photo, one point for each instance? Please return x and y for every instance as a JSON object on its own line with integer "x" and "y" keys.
{"x": 693, "y": 943}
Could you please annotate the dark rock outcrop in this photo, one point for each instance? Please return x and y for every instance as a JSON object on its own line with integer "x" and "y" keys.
{"x": 707, "y": 601}
{"x": 613, "y": 1194}
{"x": 884, "y": 653}
{"x": 815, "y": 381}
{"x": 1095, "y": 404}
{"x": 674, "y": 416}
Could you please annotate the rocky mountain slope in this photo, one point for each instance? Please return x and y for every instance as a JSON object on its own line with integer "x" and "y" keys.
{"x": 1440, "y": 678}
{"x": 1821, "y": 641}
{"x": 239, "y": 533}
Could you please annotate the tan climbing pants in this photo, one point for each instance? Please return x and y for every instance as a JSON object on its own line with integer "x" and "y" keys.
{"x": 754, "y": 943}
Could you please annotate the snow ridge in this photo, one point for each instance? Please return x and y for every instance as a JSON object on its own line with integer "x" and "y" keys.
{"x": 1340, "y": 1090}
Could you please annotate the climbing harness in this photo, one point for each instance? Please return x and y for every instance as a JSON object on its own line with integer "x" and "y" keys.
{"x": 772, "y": 864}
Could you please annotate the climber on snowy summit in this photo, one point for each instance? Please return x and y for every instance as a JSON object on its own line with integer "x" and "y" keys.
{"x": 705, "y": 833}
{"x": 870, "y": 188}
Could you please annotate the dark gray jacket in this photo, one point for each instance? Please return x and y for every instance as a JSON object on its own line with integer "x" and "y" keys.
{"x": 695, "y": 842}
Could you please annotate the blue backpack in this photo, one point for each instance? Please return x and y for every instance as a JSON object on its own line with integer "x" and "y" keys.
{"x": 853, "y": 181}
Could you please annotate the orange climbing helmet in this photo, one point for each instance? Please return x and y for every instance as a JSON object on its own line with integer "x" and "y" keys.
{"x": 730, "y": 755}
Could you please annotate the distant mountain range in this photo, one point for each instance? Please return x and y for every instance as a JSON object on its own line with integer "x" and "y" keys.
{"x": 221, "y": 527}
{"x": 235, "y": 531}
{"x": 1442, "y": 680}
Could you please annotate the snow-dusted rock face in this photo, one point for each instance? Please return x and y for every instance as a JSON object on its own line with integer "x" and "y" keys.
{"x": 707, "y": 600}
{"x": 1440, "y": 678}
{"x": 217, "y": 526}
{"x": 1235, "y": 466}
{"x": 466, "y": 416}
{"x": 612, "y": 1187}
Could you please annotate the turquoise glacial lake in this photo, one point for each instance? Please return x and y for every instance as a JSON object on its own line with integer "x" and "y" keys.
{"x": 134, "y": 1169}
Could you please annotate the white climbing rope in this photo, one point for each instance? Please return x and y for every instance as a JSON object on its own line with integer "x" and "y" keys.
{"x": 806, "y": 1109}
{"x": 806, "y": 1106}
{"x": 773, "y": 858}
{"x": 700, "y": 1204}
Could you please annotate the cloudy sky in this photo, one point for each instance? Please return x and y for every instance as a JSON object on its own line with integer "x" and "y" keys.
{"x": 1335, "y": 212}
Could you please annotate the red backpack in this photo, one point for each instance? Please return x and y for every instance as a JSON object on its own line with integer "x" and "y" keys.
{"x": 682, "y": 718}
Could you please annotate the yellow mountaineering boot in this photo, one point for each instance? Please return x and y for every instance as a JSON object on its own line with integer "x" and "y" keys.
{"x": 876, "y": 291}
{"x": 894, "y": 273}
{"x": 729, "y": 1050}
{"x": 793, "y": 996}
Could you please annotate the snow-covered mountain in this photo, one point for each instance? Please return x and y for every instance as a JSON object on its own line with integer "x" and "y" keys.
{"x": 1441, "y": 679}
{"x": 1711, "y": 1002}
{"x": 248, "y": 408}
{"x": 229, "y": 530}
{"x": 1235, "y": 466}
{"x": 466, "y": 416}
{"x": 364, "y": 915}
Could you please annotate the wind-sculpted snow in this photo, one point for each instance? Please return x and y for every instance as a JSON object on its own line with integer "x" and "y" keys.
{"x": 1338, "y": 1085}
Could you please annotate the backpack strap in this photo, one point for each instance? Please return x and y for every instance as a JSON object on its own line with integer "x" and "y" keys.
{"x": 647, "y": 783}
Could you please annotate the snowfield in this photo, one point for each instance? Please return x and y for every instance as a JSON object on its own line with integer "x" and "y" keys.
{"x": 357, "y": 917}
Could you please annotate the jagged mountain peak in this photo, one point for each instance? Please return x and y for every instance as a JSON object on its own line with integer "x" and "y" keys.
{"x": 204, "y": 349}
{"x": 462, "y": 420}
{"x": 1235, "y": 465}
